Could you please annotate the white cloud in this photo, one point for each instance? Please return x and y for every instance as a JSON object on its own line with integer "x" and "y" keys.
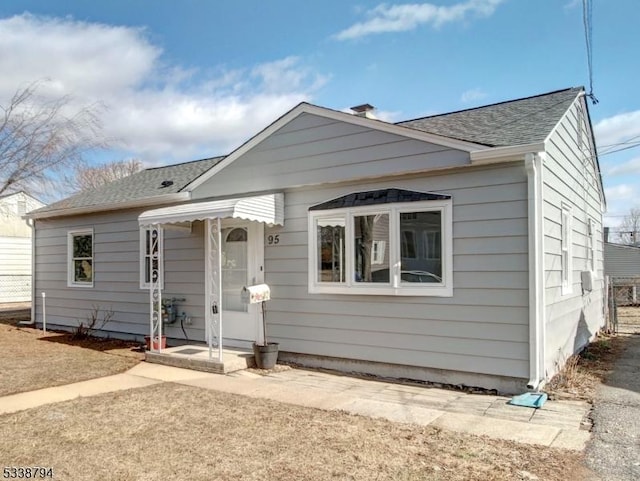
{"x": 157, "y": 112}
{"x": 472, "y": 95}
{"x": 617, "y": 129}
{"x": 619, "y": 192}
{"x": 629, "y": 167}
{"x": 400, "y": 18}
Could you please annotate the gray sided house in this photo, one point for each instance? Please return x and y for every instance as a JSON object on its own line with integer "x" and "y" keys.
{"x": 459, "y": 248}
{"x": 621, "y": 261}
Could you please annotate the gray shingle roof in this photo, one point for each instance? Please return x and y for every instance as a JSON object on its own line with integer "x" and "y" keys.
{"x": 516, "y": 122}
{"x": 141, "y": 185}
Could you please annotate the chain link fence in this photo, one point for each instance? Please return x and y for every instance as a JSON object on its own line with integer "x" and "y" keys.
{"x": 626, "y": 290}
{"x": 15, "y": 288}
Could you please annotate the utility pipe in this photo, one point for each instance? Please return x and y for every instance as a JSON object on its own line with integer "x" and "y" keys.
{"x": 44, "y": 313}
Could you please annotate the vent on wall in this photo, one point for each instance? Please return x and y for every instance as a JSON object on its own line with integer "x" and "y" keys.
{"x": 587, "y": 281}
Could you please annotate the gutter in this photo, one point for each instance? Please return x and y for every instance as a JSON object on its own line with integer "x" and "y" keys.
{"x": 533, "y": 163}
{"x": 90, "y": 209}
{"x": 504, "y": 154}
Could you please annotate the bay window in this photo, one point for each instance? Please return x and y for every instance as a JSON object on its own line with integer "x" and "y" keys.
{"x": 366, "y": 243}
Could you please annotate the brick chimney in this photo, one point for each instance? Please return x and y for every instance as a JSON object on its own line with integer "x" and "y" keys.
{"x": 364, "y": 110}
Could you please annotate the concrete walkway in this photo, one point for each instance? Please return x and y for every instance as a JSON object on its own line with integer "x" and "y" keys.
{"x": 614, "y": 451}
{"x": 557, "y": 424}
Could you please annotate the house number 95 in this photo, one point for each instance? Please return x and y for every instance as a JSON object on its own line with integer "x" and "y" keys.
{"x": 273, "y": 239}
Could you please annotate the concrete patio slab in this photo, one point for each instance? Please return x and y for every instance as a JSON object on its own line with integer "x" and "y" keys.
{"x": 558, "y": 424}
{"x": 164, "y": 373}
{"x": 392, "y": 412}
{"x": 503, "y": 429}
{"x": 571, "y": 439}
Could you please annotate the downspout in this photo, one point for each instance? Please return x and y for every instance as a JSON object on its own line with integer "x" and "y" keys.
{"x": 533, "y": 165}
{"x": 32, "y": 322}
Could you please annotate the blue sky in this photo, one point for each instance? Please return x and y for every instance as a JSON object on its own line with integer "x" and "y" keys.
{"x": 195, "y": 78}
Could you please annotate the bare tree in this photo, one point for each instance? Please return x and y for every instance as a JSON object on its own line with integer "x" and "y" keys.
{"x": 629, "y": 230}
{"x": 40, "y": 138}
{"x": 92, "y": 177}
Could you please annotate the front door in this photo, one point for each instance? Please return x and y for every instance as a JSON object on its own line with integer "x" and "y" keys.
{"x": 242, "y": 261}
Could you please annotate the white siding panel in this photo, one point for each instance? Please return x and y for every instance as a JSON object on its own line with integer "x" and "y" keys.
{"x": 312, "y": 151}
{"x": 621, "y": 261}
{"x": 15, "y": 269}
{"x": 116, "y": 272}
{"x": 570, "y": 177}
{"x": 482, "y": 328}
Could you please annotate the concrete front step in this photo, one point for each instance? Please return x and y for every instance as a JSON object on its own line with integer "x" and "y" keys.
{"x": 197, "y": 358}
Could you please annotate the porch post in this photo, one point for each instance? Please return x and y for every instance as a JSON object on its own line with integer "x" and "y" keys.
{"x": 219, "y": 279}
{"x": 155, "y": 291}
{"x": 213, "y": 285}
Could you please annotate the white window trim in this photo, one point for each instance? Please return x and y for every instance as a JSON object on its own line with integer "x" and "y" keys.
{"x": 70, "y": 270}
{"x": 395, "y": 287}
{"x": 143, "y": 251}
{"x": 566, "y": 244}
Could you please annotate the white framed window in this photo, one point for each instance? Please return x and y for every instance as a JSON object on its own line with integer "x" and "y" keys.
{"x": 80, "y": 265}
{"x": 566, "y": 249}
{"x": 147, "y": 248}
{"x": 591, "y": 246}
{"x": 347, "y": 246}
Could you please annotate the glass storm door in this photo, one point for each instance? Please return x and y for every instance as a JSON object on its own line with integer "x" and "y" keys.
{"x": 242, "y": 255}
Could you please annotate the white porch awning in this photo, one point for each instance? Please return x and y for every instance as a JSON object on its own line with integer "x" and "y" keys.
{"x": 262, "y": 208}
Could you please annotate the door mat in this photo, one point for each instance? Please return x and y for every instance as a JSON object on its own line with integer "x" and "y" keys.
{"x": 189, "y": 351}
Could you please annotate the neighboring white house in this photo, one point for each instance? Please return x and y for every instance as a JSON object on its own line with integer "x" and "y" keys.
{"x": 460, "y": 248}
{"x": 15, "y": 247}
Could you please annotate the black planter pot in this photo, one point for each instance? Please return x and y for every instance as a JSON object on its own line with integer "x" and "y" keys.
{"x": 266, "y": 356}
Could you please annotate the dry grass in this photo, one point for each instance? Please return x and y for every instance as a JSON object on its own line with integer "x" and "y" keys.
{"x": 583, "y": 373}
{"x": 31, "y": 360}
{"x": 185, "y": 433}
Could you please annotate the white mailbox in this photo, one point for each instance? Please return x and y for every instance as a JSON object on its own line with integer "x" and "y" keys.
{"x": 255, "y": 294}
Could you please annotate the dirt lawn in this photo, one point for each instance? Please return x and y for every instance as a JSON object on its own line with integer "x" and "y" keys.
{"x": 32, "y": 360}
{"x": 179, "y": 432}
{"x": 176, "y": 432}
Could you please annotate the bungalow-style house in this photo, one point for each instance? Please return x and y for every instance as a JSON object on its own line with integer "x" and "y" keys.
{"x": 462, "y": 248}
{"x": 15, "y": 247}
